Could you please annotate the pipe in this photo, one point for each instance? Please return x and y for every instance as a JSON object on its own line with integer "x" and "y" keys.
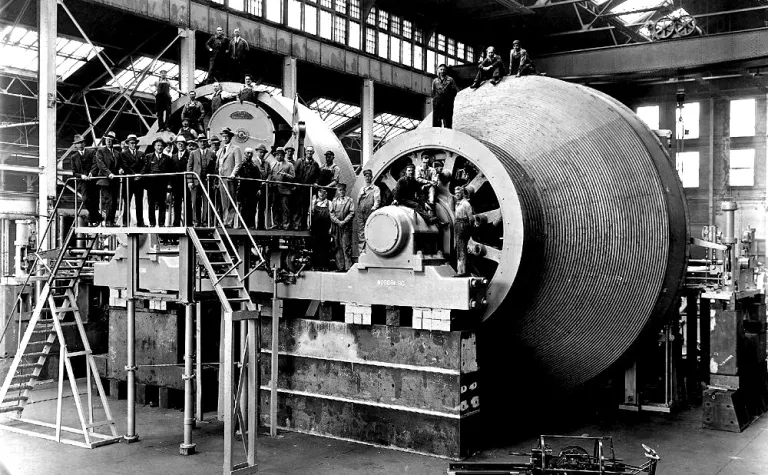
{"x": 187, "y": 447}
{"x": 130, "y": 433}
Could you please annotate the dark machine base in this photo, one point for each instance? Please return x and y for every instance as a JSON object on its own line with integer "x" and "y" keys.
{"x": 728, "y": 409}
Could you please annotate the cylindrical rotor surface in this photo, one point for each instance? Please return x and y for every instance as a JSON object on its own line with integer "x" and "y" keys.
{"x": 605, "y": 227}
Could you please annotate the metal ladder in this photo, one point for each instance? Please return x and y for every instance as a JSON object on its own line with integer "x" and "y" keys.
{"x": 237, "y": 305}
{"x": 56, "y": 302}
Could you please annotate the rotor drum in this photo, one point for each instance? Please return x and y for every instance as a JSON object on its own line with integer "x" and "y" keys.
{"x": 592, "y": 203}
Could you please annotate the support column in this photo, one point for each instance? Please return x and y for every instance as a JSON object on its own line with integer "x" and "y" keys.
{"x": 366, "y": 115}
{"x": 187, "y": 447}
{"x": 187, "y": 60}
{"x": 46, "y": 113}
{"x": 289, "y": 77}
{"x": 130, "y": 337}
{"x": 427, "y": 107}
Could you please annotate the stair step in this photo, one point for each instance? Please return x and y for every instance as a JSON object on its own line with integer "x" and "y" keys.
{"x": 215, "y": 251}
{"x": 238, "y": 299}
{"x": 35, "y": 355}
{"x": 15, "y": 398}
{"x": 11, "y": 408}
{"x": 20, "y": 386}
{"x": 98, "y": 424}
{"x": 29, "y": 365}
{"x": 25, "y": 376}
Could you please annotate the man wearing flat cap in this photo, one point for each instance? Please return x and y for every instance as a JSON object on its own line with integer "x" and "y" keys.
{"x": 307, "y": 173}
{"x": 248, "y": 190}
{"x": 106, "y": 167}
{"x": 82, "y": 164}
{"x": 132, "y": 162}
{"x": 281, "y": 171}
{"x": 261, "y": 161}
{"x": 368, "y": 201}
{"x": 157, "y": 162}
{"x": 229, "y": 159}
{"x": 202, "y": 161}
{"x": 329, "y": 174}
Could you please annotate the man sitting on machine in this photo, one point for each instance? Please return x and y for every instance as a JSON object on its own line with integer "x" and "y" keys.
{"x": 407, "y": 193}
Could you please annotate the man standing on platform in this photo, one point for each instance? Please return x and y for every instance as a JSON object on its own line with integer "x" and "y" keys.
{"x": 248, "y": 190}
{"x": 229, "y": 159}
{"x": 329, "y": 174}
{"x": 342, "y": 213}
{"x": 281, "y": 171}
{"x": 219, "y": 97}
{"x": 180, "y": 160}
{"x": 82, "y": 166}
{"x": 133, "y": 164}
{"x": 444, "y": 92}
{"x": 307, "y": 173}
{"x": 187, "y": 131}
{"x": 248, "y": 93}
{"x": 157, "y": 187}
{"x": 195, "y": 165}
{"x": 208, "y": 165}
{"x": 368, "y": 201}
{"x": 163, "y": 101}
{"x": 464, "y": 219}
{"x": 218, "y": 47}
{"x": 238, "y": 49}
{"x": 261, "y": 162}
{"x": 193, "y": 112}
{"x": 106, "y": 166}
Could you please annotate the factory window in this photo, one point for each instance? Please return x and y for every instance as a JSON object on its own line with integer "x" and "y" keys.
{"x": 383, "y": 45}
{"x": 418, "y": 57}
{"x": 371, "y": 19}
{"x": 407, "y": 31}
{"x": 649, "y": 115}
{"x": 238, "y": 5}
{"x": 310, "y": 19}
{"x": 742, "y": 168}
{"x": 441, "y": 43}
{"x": 341, "y": 6}
{"x": 460, "y": 49}
{"x": 418, "y": 36}
{"x": 370, "y": 41}
{"x": 275, "y": 11}
{"x": 407, "y": 54}
{"x": 340, "y": 29}
{"x": 688, "y": 128}
{"x": 394, "y": 49}
{"x": 470, "y": 54}
{"x": 383, "y": 20}
{"x": 688, "y": 169}
{"x": 294, "y": 14}
{"x": 254, "y": 7}
{"x": 431, "y": 61}
{"x": 326, "y": 24}
{"x": 354, "y": 35}
{"x": 431, "y": 42}
{"x": 743, "y": 118}
{"x": 452, "y": 47}
{"x": 394, "y": 25}
{"x": 354, "y": 8}
{"x": 327, "y": 3}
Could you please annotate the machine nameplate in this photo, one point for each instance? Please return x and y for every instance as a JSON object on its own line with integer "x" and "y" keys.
{"x": 391, "y": 283}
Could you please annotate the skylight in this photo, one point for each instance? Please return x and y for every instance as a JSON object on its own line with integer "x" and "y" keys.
{"x": 635, "y": 5}
{"x": 20, "y": 51}
{"x": 334, "y": 113}
{"x": 386, "y": 126}
{"x": 127, "y": 76}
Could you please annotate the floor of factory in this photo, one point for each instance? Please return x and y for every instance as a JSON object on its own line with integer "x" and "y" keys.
{"x": 684, "y": 446}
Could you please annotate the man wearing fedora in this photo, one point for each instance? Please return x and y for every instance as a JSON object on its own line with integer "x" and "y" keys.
{"x": 157, "y": 162}
{"x": 132, "y": 162}
{"x": 281, "y": 171}
{"x": 106, "y": 166}
{"x": 307, "y": 173}
{"x": 179, "y": 163}
{"x": 202, "y": 161}
{"x": 82, "y": 164}
{"x": 228, "y": 161}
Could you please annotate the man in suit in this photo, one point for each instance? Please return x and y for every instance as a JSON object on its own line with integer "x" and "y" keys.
{"x": 228, "y": 161}
{"x": 82, "y": 165}
{"x": 132, "y": 162}
{"x": 157, "y": 162}
{"x": 180, "y": 160}
{"x": 193, "y": 112}
{"x": 208, "y": 167}
{"x": 307, "y": 173}
{"x": 281, "y": 171}
{"x": 195, "y": 165}
{"x": 106, "y": 166}
{"x": 218, "y": 47}
{"x": 238, "y": 49}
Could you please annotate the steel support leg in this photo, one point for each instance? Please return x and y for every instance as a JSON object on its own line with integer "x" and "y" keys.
{"x": 188, "y": 448}
{"x": 130, "y": 432}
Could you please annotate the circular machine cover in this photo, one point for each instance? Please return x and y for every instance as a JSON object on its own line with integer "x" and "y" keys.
{"x": 605, "y": 228}
{"x": 250, "y": 123}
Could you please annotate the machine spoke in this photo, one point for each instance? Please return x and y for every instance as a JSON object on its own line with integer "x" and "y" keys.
{"x": 449, "y": 163}
{"x": 477, "y": 182}
{"x": 491, "y": 217}
{"x": 389, "y": 180}
{"x": 484, "y": 251}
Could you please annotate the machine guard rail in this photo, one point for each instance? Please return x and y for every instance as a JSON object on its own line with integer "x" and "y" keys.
{"x": 237, "y": 260}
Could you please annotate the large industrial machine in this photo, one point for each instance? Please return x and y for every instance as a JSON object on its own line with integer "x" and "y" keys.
{"x": 578, "y": 253}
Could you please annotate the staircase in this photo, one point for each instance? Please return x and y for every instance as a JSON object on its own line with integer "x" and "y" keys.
{"x": 56, "y": 310}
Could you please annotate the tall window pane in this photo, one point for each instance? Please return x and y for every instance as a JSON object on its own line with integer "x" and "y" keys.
{"x": 370, "y": 41}
{"x": 340, "y": 29}
{"x": 742, "y": 168}
{"x": 688, "y": 169}
{"x": 407, "y": 29}
{"x": 743, "y": 118}
{"x": 407, "y": 55}
{"x": 310, "y": 19}
{"x": 275, "y": 11}
{"x": 341, "y": 6}
{"x": 688, "y": 128}
{"x": 383, "y": 45}
{"x": 431, "y": 61}
{"x": 294, "y": 14}
{"x": 326, "y": 24}
{"x": 394, "y": 49}
{"x": 418, "y": 57}
{"x": 354, "y": 35}
{"x": 354, "y": 8}
{"x": 238, "y": 5}
{"x": 649, "y": 115}
{"x": 383, "y": 20}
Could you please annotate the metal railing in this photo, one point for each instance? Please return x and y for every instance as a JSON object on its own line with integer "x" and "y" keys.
{"x": 236, "y": 259}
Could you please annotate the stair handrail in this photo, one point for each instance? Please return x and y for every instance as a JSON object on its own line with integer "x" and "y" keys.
{"x": 38, "y": 257}
{"x": 205, "y": 193}
{"x": 222, "y": 183}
